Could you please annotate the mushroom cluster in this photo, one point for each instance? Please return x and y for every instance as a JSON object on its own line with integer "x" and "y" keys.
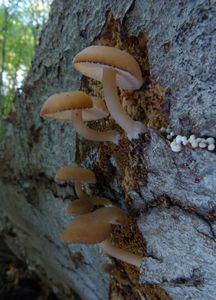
{"x": 78, "y": 107}
{"x": 93, "y": 227}
{"x": 95, "y": 216}
{"x": 113, "y": 67}
{"x": 96, "y": 228}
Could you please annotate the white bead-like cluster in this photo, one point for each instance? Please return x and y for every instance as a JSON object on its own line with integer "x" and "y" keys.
{"x": 170, "y": 134}
{"x": 195, "y": 142}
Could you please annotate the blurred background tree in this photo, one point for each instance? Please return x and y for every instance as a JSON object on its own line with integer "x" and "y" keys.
{"x": 20, "y": 26}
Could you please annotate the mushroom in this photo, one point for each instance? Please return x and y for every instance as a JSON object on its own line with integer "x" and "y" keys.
{"x": 80, "y": 207}
{"x": 76, "y": 175}
{"x": 113, "y": 67}
{"x": 97, "y": 112}
{"x": 96, "y": 200}
{"x": 75, "y": 106}
{"x": 95, "y": 228}
{"x": 86, "y": 204}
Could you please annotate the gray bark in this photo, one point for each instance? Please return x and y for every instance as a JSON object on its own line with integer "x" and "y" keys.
{"x": 174, "y": 194}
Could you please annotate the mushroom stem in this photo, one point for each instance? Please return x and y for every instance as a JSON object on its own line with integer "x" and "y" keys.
{"x": 133, "y": 128}
{"x": 121, "y": 254}
{"x": 90, "y": 134}
{"x": 78, "y": 189}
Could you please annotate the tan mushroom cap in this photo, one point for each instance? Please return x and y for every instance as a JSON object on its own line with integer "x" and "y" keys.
{"x": 86, "y": 204}
{"x": 59, "y": 106}
{"x": 73, "y": 174}
{"x": 111, "y": 215}
{"x": 91, "y": 61}
{"x": 94, "y": 227}
{"x": 86, "y": 229}
{"x": 96, "y": 200}
{"x": 80, "y": 207}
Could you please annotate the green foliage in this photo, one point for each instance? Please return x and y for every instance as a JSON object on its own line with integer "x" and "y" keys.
{"x": 20, "y": 26}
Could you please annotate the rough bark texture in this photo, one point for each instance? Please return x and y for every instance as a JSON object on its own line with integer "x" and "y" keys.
{"x": 171, "y": 196}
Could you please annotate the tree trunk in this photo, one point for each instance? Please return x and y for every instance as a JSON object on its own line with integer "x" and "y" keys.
{"x": 169, "y": 195}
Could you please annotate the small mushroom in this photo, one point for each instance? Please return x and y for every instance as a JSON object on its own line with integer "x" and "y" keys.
{"x": 95, "y": 228}
{"x": 168, "y": 130}
{"x": 76, "y": 175}
{"x": 74, "y": 107}
{"x": 162, "y": 129}
{"x": 203, "y": 145}
{"x": 178, "y": 139}
{"x": 86, "y": 204}
{"x": 184, "y": 140}
{"x": 211, "y": 147}
{"x": 80, "y": 207}
{"x": 113, "y": 67}
{"x": 86, "y": 230}
{"x": 96, "y": 200}
{"x": 192, "y": 138}
{"x": 210, "y": 140}
{"x": 194, "y": 144}
{"x": 175, "y": 147}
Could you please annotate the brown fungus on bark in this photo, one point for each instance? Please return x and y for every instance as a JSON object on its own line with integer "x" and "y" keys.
{"x": 113, "y": 67}
{"x": 95, "y": 228}
{"x": 78, "y": 107}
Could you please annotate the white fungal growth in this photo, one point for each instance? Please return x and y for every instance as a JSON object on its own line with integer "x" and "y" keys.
{"x": 202, "y": 145}
{"x": 211, "y": 147}
{"x": 210, "y": 140}
{"x": 169, "y": 136}
{"x": 175, "y": 147}
{"x": 192, "y": 138}
{"x": 203, "y": 140}
{"x": 163, "y": 130}
{"x": 184, "y": 140}
{"x": 178, "y": 139}
{"x": 194, "y": 144}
